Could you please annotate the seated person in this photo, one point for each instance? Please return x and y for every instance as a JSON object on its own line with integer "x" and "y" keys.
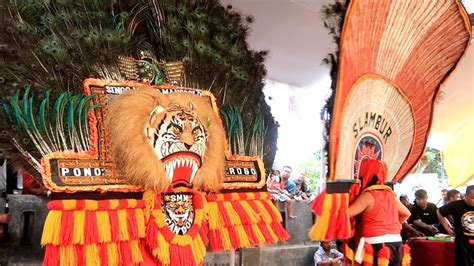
{"x": 276, "y": 188}
{"x": 325, "y": 255}
{"x": 404, "y": 199}
{"x": 408, "y": 231}
{"x": 299, "y": 193}
{"x": 452, "y": 195}
{"x": 304, "y": 184}
{"x": 423, "y": 214}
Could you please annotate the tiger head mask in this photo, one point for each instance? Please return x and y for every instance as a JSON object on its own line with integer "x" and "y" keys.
{"x": 160, "y": 140}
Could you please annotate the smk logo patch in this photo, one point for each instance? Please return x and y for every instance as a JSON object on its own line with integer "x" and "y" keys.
{"x": 179, "y": 212}
{"x": 368, "y": 147}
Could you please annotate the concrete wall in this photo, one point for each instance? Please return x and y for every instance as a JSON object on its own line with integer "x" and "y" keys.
{"x": 286, "y": 255}
{"x": 298, "y": 251}
{"x": 300, "y": 226}
{"x": 27, "y": 215}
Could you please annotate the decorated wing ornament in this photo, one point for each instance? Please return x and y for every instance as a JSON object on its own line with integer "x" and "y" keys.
{"x": 394, "y": 56}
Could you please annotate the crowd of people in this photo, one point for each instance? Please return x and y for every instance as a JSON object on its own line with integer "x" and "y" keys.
{"x": 284, "y": 189}
{"x": 424, "y": 220}
{"x": 381, "y": 214}
{"x": 454, "y": 217}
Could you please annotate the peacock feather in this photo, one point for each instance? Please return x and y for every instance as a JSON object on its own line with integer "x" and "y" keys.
{"x": 48, "y": 47}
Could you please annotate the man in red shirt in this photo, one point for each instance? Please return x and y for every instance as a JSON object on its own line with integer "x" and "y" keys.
{"x": 380, "y": 214}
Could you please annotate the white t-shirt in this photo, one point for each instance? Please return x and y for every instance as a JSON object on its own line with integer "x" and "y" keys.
{"x": 321, "y": 256}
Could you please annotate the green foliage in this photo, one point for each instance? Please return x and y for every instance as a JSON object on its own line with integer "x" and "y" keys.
{"x": 313, "y": 169}
{"x": 434, "y": 162}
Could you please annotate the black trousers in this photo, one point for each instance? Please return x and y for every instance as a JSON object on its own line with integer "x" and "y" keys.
{"x": 395, "y": 253}
{"x": 464, "y": 252}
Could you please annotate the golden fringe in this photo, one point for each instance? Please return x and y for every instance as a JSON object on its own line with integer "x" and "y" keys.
{"x": 249, "y": 217}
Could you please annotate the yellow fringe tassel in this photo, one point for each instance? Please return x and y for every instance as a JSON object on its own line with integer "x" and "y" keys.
{"x": 66, "y": 256}
{"x": 91, "y": 204}
{"x": 149, "y": 199}
{"x": 233, "y": 215}
{"x": 112, "y": 252}
{"x": 319, "y": 229}
{"x": 242, "y": 235}
{"x": 92, "y": 255}
{"x": 114, "y": 204}
{"x": 183, "y": 240}
{"x": 79, "y": 222}
{"x": 140, "y": 217}
{"x": 225, "y": 239}
{"x": 214, "y": 218}
{"x": 132, "y": 203}
{"x": 258, "y": 234}
{"x": 162, "y": 252}
{"x": 51, "y": 230}
{"x": 250, "y": 212}
{"x": 199, "y": 250}
{"x": 69, "y": 205}
{"x": 272, "y": 234}
{"x": 103, "y": 226}
{"x": 122, "y": 220}
{"x": 406, "y": 260}
{"x": 267, "y": 218}
{"x": 136, "y": 253}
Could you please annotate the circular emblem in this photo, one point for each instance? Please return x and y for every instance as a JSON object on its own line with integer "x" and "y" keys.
{"x": 179, "y": 212}
{"x": 368, "y": 147}
{"x": 467, "y": 221}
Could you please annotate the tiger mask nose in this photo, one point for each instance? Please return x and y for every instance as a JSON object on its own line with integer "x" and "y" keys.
{"x": 187, "y": 139}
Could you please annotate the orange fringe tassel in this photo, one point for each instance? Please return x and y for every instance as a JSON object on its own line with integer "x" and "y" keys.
{"x": 383, "y": 257}
{"x": 333, "y": 217}
{"x": 240, "y": 220}
{"x": 406, "y": 259}
{"x": 368, "y": 259}
{"x": 89, "y": 232}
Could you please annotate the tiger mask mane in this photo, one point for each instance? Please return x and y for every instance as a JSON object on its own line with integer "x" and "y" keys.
{"x": 158, "y": 140}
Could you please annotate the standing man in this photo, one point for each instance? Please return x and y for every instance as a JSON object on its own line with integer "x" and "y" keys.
{"x": 463, "y": 216}
{"x": 325, "y": 255}
{"x": 423, "y": 214}
{"x": 444, "y": 198}
{"x": 380, "y": 215}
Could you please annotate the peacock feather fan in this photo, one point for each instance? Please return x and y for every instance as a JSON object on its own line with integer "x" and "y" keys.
{"x": 58, "y": 43}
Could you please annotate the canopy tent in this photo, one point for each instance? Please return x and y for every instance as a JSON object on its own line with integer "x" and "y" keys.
{"x": 453, "y": 122}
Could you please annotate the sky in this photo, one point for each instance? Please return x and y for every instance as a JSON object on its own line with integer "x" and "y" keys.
{"x": 297, "y": 110}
